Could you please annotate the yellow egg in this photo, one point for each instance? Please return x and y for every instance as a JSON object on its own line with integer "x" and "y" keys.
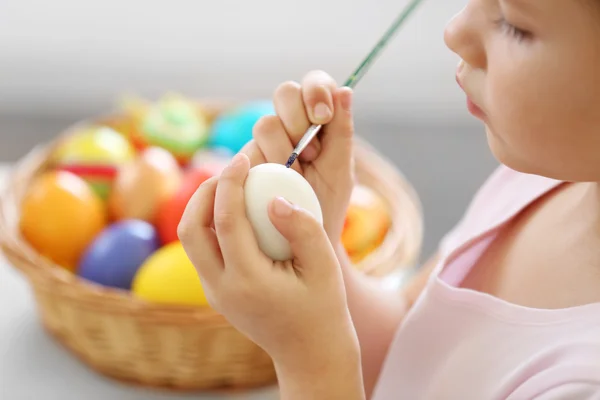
{"x": 95, "y": 154}
{"x": 95, "y": 145}
{"x": 169, "y": 277}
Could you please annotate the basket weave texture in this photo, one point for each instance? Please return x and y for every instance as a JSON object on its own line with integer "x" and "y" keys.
{"x": 176, "y": 347}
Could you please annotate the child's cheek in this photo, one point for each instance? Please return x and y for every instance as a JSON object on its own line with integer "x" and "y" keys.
{"x": 516, "y": 122}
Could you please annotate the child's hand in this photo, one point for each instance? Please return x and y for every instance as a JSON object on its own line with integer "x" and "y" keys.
{"x": 294, "y": 310}
{"x": 327, "y": 162}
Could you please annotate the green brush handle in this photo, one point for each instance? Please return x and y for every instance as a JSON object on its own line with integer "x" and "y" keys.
{"x": 358, "y": 74}
{"x": 364, "y": 66}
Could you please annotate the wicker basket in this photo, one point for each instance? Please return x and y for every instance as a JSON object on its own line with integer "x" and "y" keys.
{"x": 176, "y": 347}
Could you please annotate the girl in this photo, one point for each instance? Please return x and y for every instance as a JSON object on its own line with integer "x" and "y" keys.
{"x": 509, "y": 308}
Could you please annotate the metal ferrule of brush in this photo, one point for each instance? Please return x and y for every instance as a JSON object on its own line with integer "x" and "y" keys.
{"x": 306, "y": 139}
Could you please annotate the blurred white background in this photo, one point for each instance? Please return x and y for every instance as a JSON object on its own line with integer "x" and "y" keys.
{"x": 73, "y": 56}
{"x": 64, "y": 60}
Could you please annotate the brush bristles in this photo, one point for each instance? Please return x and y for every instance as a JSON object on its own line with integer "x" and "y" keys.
{"x": 291, "y": 160}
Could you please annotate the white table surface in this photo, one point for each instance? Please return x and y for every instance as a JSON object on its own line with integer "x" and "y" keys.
{"x": 34, "y": 366}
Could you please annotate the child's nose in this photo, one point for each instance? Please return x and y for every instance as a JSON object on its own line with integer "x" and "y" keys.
{"x": 463, "y": 37}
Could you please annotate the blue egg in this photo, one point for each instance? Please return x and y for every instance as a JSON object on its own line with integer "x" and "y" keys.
{"x": 117, "y": 252}
{"x": 233, "y": 129}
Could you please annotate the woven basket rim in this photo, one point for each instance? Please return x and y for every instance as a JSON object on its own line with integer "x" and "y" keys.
{"x": 49, "y": 276}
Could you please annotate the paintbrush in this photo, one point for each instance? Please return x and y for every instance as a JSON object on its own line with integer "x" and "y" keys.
{"x": 351, "y": 82}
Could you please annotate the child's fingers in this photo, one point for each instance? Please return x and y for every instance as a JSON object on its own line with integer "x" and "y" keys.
{"x": 289, "y": 105}
{"x": 336, "y": 139}
{"x": 317, "y": 94}
{"x": 234, "y": 232}
{"x": 196, "y": 235}
{"x": 253, "y": 152}
{"x": 308, "y": 240}
{"x": 273, "y": 141}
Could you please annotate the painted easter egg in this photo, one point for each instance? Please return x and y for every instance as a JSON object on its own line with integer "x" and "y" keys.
{"x": 121, "y": 123}
{"x": 367, "y": 223}
{"x": 171, "y": 211}
{"x": 169, "y": 277}
{"x": 116, "y": 254}
{"x": 60, "y": 216}
{"x": 94, "y": 154}
{"x": 143, "y": 184}
{"x": 176, "y": 125}
{"x": 233, "y": 128}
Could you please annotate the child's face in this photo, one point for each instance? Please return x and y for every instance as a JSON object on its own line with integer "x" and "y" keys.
{"x": 533, "y": 69}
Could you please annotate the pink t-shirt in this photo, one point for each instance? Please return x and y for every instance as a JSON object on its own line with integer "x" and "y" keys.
{"x": 460, "y": 344}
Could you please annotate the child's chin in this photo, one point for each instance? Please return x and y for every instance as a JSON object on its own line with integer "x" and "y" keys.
{"x": 502, "y": 153}
{"x": 505, "y": 155}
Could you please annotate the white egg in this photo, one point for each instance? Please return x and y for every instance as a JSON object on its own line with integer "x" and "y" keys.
{"x": 266, "y": 182}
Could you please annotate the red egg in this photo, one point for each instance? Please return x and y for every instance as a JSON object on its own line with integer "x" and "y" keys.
{"x": 171, "y": 211}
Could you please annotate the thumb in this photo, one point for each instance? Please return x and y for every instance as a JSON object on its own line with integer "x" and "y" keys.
{"x": 309, "y": 242}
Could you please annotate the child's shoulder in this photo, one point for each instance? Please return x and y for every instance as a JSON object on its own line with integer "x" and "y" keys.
{"x": 504, "y": 193}
{"x": 569, "y": 370}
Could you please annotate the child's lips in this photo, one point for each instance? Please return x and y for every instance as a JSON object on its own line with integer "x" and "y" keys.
{"x": 473, "y": 108}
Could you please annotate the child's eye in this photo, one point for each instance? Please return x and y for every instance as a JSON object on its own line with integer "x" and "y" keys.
{"x": 512, "y": 30}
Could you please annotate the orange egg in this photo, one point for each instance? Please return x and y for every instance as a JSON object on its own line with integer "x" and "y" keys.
{"x": 367, "y": 223}
{"x": 143, "y": 184}
{"x": 60, "y": 216}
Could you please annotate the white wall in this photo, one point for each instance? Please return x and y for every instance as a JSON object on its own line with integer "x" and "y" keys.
{"x": 60, "y": 56}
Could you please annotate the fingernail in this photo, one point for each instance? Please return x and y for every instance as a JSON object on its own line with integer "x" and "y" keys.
{"x": 321, "y": 112}
{"x": 282, "y": 208}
